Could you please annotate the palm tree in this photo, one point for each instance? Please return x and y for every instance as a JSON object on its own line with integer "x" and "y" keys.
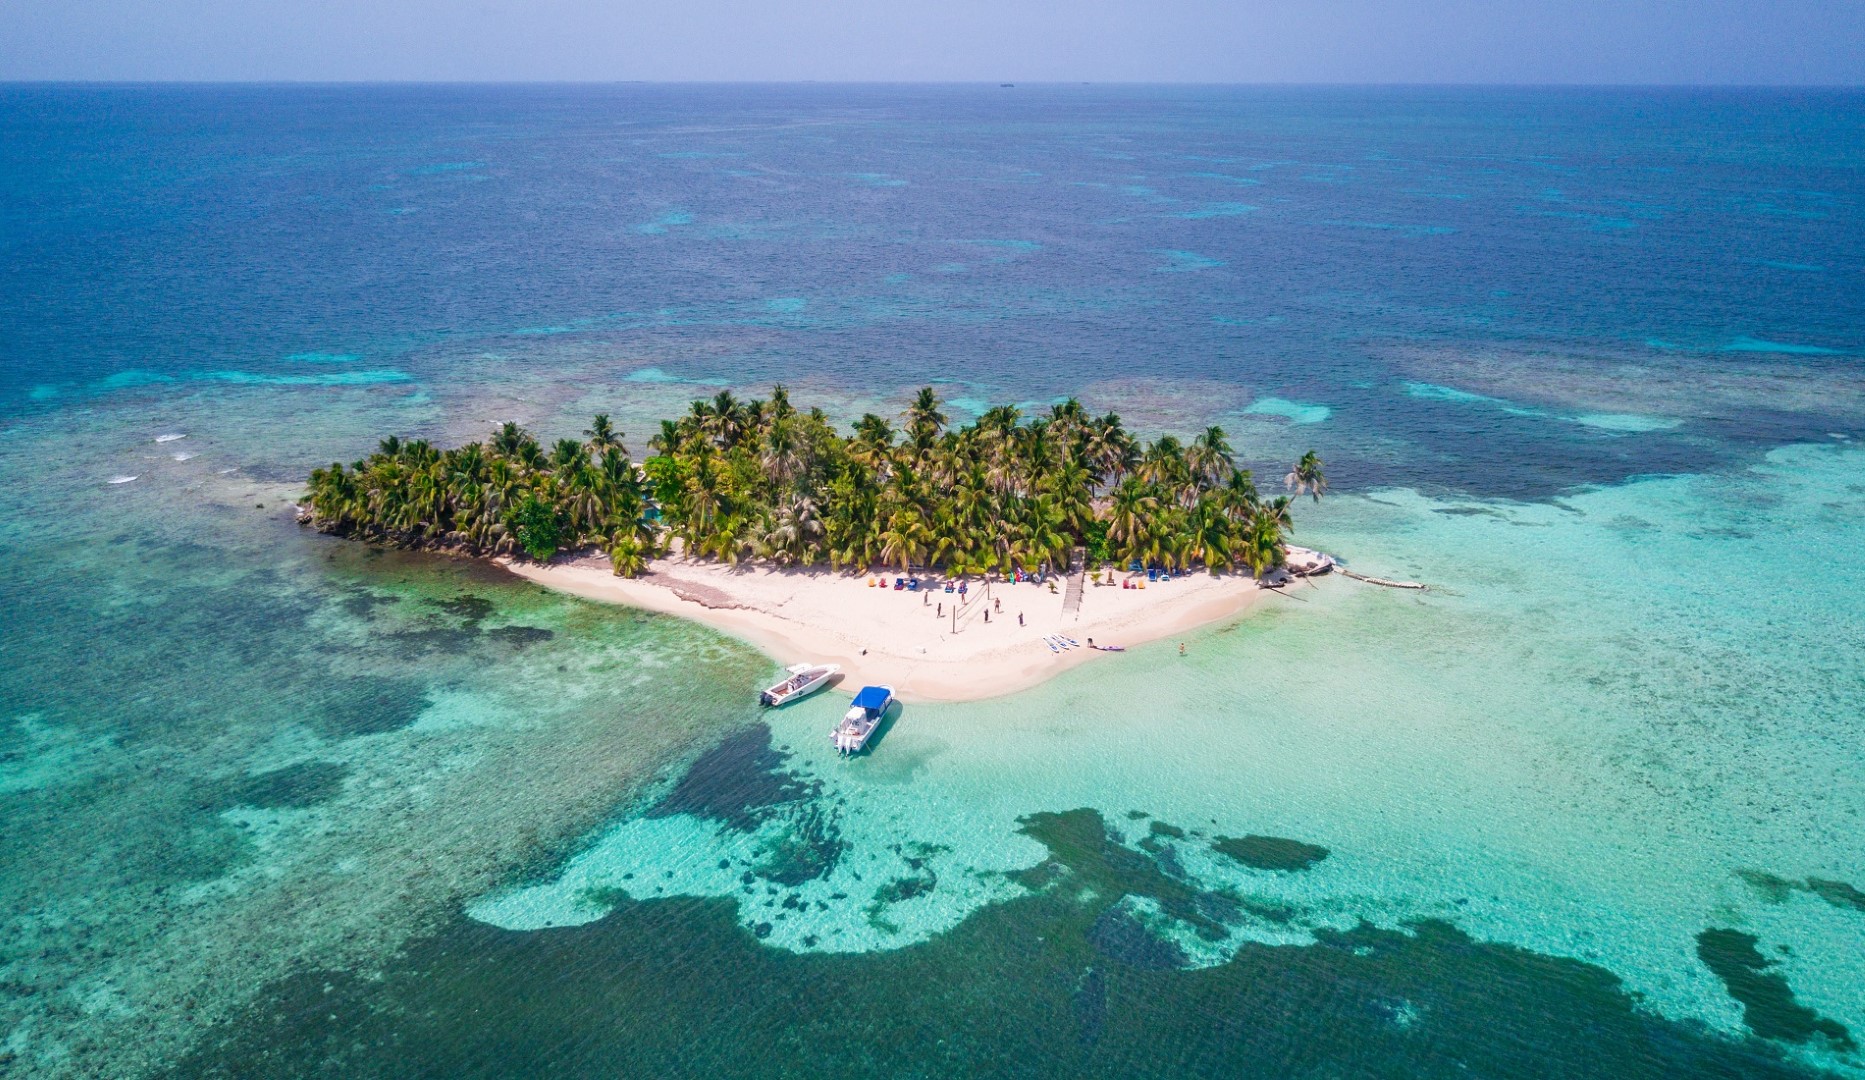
{"x": 1240, "y": 496}
{"x": 1211, "y": 537}
{"x": 1262, "y": 541}
{"x": 1128, "y": 514}
{"x": 703, "y": 500}
{"x": 1163, "y": 464}
{"x": 1046, "y": 534}
{"x": 780, "y": 407}
{"x": 903, "y": 540}
{"x": 795, "y": 531}
{"x": 602, "y": 438}
{"x": 924, "y": 420}
{"x": 1069, "y": 416}
{"x": 731, "y": 478}
{"x": 782, "y": 457}
{"x": 1109, "y": 450}
{"x": 510, "y": 439}
{"x": 873, "y": 443}
{"x": 1209, "y": 457}
{"x": 1276, "y": 512}
{"x": 1307, "y": 476}
{"x": 628, "y": 556}
{"x": 1072, "y": 487}
{"x": 726, "y": 419}
{"x": 567, "y": 456}
{"x": 732, "y": 535}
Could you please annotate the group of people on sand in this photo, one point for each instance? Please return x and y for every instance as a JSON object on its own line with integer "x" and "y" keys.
{"x": 997, "y": 605}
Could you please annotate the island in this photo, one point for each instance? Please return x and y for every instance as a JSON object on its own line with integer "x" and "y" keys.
{"x": 954, "y": 562}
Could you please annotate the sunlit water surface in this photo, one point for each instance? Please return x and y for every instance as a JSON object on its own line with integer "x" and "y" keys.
{"x": 1586, "y": 363}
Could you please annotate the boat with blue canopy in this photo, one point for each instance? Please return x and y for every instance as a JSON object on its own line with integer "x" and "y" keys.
{"x": 863, "y": 717}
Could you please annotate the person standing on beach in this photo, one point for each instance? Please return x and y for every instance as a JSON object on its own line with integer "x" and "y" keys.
{"x": 1019, "y": 618}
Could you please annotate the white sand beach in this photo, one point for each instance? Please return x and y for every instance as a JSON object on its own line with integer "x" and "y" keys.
{"x": 910, "y": 640}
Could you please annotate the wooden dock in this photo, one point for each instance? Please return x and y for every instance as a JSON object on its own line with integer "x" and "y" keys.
{"x": 1071, "y": 600}
{"x": 1380, "y": 581}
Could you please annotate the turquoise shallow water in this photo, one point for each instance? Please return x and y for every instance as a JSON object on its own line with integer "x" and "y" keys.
{"x": 274, "y": 805}
{"x": 1590, "y": 743}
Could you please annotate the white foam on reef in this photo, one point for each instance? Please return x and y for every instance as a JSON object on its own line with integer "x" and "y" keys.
{"x": 170, "y": 438}
{"x": 120, "y": 479}
{"x": 181, "y": 455}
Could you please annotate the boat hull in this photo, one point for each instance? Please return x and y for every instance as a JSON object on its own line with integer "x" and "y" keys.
{"x": 862, "y": 720}
{"x": 815, "y": 677}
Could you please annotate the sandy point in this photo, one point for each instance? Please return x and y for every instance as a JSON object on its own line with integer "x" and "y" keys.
{"x": 926, "y": 645}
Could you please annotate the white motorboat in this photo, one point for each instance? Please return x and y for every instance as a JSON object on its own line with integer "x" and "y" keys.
{"x": 803, "y": 680}
{"x": 864, "y": 716}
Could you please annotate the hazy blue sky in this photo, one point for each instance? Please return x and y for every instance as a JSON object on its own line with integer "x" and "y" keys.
{"x": 1589, "y": 41}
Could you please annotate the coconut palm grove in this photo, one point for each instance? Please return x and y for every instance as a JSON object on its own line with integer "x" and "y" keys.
{"x": 735, "y": 479}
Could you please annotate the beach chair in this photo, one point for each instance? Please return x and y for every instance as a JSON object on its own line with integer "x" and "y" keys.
{"x": 914, "y": 585}
{"x": 1152, "y": 574}
{"x": 899, "y": 584}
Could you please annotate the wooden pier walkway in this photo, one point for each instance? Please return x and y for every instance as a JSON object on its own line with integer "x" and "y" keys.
{"x": 1380, "y": 581}
{"x": 1071, "y": 600}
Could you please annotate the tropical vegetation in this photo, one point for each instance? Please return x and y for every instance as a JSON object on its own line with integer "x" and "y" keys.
{"x": 760, "y": 479}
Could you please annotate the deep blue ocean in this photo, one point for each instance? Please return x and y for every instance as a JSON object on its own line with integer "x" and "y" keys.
{"x": 1589, "y": 360}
